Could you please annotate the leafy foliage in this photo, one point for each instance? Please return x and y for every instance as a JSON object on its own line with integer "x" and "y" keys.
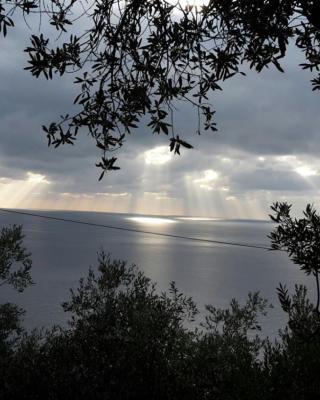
{"x": 228, "y": 352}
{"x": 15, "y": 261}
{"x": 15, "y": 265}
{"x": 126, "y": 340}
{"x": 291, "y": 365}
{"x": 10, "y": 326}
{"x": 137, "y": 60}
{"x": 301, "y": 239}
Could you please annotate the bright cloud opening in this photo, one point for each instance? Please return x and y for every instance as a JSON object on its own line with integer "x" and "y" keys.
{"x": 208, "y": 180}
{"x": 299, "y": 166}
{"x": 306, "y": 171}
{"x": 37, "y": 178}
{"x": 158, "y": 155}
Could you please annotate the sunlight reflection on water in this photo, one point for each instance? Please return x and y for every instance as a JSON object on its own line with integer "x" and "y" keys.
{"x": 152, "y": 220}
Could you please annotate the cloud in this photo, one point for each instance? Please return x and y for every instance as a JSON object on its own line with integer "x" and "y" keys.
{"x": 267, "y": 148}
{"x": 157, "y": 156}
{"x": 207, "y": 181}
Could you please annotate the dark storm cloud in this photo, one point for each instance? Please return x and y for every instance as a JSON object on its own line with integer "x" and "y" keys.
{"x": 266, "y": 114}
{"x": 269, "y": 179}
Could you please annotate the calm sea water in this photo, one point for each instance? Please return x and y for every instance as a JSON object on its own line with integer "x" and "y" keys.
{"x": 211, "y": 274}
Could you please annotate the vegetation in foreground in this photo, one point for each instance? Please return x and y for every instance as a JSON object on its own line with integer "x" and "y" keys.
{"x": 126, "y": 340}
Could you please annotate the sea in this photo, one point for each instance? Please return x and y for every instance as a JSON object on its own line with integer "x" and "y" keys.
{"x": 211, "y": 273}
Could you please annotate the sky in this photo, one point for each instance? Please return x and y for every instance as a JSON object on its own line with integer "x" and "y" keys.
{"x": 266, "y": 149}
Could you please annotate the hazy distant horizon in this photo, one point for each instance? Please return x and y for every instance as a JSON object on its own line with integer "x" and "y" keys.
{"x": 177, "y": 216}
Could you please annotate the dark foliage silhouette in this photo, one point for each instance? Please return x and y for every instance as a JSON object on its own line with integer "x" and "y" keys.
{"x": 301, "y": 239}
{"x": 15, "y": 266}
{"x": 127, "y": 340}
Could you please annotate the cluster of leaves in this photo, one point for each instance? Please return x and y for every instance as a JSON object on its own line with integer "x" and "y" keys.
{"x": 15, "y": 261}
{"x": 300, "y": 238}
{"x": 140, "y": 58}
{"x": 15, "y": 266}
{"x": 291, "y": 365}
{"x": 8, "y": 8}
{"x": 126, "y": 340}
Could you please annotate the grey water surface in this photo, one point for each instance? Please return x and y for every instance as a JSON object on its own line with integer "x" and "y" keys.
{"x": 212, "y": 274}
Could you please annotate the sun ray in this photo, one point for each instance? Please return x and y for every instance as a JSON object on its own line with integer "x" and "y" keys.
{"x": 17, "y": 193}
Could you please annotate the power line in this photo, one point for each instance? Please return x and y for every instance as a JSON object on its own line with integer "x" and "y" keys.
{"x": 252, "y": 246}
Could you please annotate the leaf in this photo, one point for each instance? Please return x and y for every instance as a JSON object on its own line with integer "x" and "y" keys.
{"x": 185, "y": 144}
{"x": 278, "y": 66}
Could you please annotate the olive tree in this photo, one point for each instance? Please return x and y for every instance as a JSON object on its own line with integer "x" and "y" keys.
{"x": 300, "y": 238}
{"x": 292, "y": 364}
{"x": 15, "y": 266}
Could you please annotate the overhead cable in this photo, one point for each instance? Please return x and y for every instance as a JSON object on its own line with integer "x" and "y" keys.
{"x": 203, "y": 240}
